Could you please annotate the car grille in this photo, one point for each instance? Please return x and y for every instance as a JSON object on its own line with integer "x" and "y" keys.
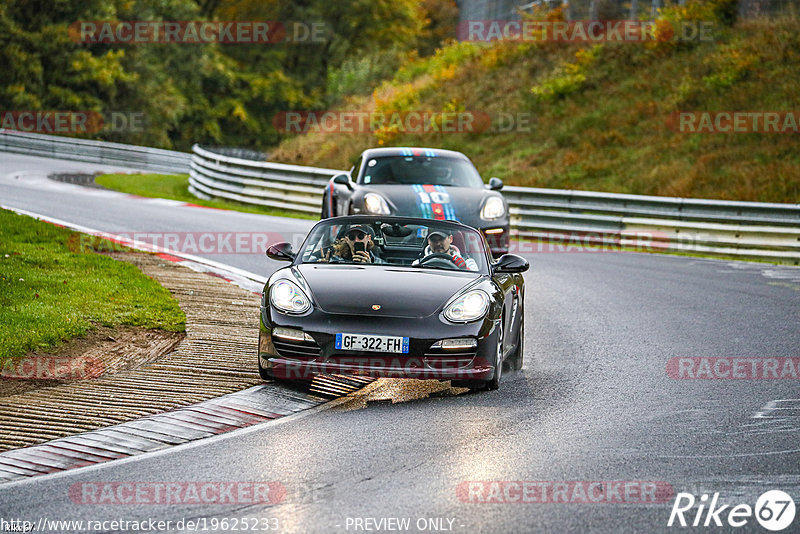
{"x": 297, "y": 350}
{"x": 449, "y": 359}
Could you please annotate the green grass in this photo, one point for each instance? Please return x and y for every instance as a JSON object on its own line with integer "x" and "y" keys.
{"x": 602, "y": 115}
{"x": 175, "y": 187}
{"x": 53, "y": 287}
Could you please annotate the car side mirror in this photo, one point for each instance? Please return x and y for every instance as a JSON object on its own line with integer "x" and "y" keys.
{"x": 495, "y": 184}
{"x": 343, "y": 179}
{"x": 510, "y": 263}
{"x": 281, "y": 252}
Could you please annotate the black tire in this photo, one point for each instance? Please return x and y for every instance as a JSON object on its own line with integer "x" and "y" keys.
{"x": 516, "y": 358}
{"x": 494, "y": 382}
{"x": 265, "y": 374}
{"x": 486, "y": 385}
{"x": 325, "y": 212}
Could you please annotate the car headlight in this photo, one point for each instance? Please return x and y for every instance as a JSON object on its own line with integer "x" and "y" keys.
{"x": 493, "y": 209}
{"x": 288, "y": 298}
{"x": 375, "y": 204}
{"x": 468, "y": 307}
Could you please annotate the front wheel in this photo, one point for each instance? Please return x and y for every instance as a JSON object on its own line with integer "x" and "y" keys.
{"x": 516, "y": 357}
{"x": 494, "y": 383}
{"x": 265, "y": 374}
{"x": 326, "y": 212}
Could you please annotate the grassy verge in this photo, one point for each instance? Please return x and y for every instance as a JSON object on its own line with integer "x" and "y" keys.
{"x": 174, "y": 187}
{"x": 52, "y": 288}
{"x": 602, "y": 116}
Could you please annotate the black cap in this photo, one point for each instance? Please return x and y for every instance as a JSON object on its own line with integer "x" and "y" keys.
{"x": 367, "y": 229}
{"x": 440, "y": 233}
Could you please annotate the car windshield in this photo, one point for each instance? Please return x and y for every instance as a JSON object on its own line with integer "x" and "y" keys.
{"x": 420, "y": 170}
{"x": 419, "y": 244}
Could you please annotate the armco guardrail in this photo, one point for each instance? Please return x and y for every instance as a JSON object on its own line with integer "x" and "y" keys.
{"x": 288, "y": 187}
{"x": 137, "y": 157}
{"x": 756, "y": 230}
{"x": 746, "y": 229}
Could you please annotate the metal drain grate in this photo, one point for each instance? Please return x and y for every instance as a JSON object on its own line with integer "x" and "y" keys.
{"x": 332, "y": 386}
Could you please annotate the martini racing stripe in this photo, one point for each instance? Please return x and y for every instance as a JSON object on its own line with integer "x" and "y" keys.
{"x": 449, "y": 211}
{"x": 423, "y": 202}
{"x": 436, "y": 207}
{"x": 433, "y": 202}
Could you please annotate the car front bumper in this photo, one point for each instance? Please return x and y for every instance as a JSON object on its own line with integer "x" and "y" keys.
{"x": 302, "y": 360}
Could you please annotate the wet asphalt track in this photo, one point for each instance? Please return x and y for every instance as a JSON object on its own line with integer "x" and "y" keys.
{"x": 593, "y": 403}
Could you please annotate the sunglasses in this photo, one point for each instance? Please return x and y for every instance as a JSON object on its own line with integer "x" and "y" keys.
{"x": 355, "y": 235}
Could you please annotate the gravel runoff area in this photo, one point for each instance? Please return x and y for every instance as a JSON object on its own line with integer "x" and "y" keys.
{"x": 216, "y": 357}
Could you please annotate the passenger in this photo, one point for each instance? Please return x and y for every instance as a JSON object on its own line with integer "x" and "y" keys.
{"x": 441, "y": 242}
{"x": 356, "y": 246}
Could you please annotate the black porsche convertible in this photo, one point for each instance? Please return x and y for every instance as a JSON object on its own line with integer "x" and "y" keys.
{"x": 393, "y": 297}
{"x": 421, "y": 182}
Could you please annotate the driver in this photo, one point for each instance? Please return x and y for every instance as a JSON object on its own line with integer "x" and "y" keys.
{"x": 356, "y": 246}
{"x": 441, "y": 242}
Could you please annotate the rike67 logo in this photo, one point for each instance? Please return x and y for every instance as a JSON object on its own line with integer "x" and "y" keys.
{"x": 774, "y": 510}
